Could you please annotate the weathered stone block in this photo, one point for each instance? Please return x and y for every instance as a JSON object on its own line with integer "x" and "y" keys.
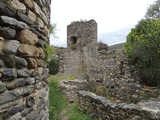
{"x": 40, "y": 13}
{"x": 29, "y": 3}
{"x": 34, "y": 116}
{"x": 8, "y": 60}
{"x": 13, "y": 22}
{"x": 2, "y": 64}
{"x": 9, "y": 73}
{"x": 32, "y": 16}
{"x": 21, "y": 82}
{"x": 24, "y": 72}
{"x": 41, "y": 53}
{"x": 7, "y": 32}
{"x": 1, "y": 46}
{"x": 24, "y": 17}
{"x": 28, "y": 37}
{"x": 32, "y": 63}
{"x": 40, "y": 35}
{"x": 14, "y": 112}
{"x": 7, "y": 97}
{"x": 40, "y": 23}
{"x": 2, "y": 87}
{"x": 16, "y": 4}
{"x": 20, "y": 62}
{"x": 6, "y": 10}
{"x": 28, "y": 50}
{"x": 11, "y": 46}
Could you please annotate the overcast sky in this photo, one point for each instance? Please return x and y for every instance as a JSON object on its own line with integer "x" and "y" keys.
{"x": 111, "y": 15}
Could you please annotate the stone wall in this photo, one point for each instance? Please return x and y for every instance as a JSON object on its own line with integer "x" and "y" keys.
{"x": 24, "y": 33}
{"x": 104, "y": 109}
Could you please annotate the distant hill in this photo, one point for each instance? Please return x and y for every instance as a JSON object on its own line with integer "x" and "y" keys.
{"x": 116, "y": 46}
{"x": 115, "y": 37}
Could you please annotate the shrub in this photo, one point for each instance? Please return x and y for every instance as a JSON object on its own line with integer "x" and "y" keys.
{"x": 54, "y": 65}
{"x": 143, "y": 50}
{"x": 52, "y": 59}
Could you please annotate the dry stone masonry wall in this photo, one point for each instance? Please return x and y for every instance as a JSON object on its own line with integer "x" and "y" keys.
{"x": 24, "y": 33}
{"x": 105, "y": 109}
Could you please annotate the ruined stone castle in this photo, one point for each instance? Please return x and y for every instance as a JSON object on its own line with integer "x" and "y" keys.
{"x": 81, "y": 50}
{"x": 24, "y": 33}
{"x": 108, "y": 74}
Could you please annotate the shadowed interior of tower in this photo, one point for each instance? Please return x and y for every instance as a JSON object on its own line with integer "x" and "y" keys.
{"x": 73, "y": 40}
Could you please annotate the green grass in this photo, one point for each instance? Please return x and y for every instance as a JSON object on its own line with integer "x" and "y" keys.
{"x": 58, "y": 103}
{"x": 75, "y": 114}
{"x": 58, "y": 77}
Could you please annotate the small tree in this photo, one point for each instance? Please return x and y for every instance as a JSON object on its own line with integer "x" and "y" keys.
{"x": 143, "y": 49}
{"x": 154, "y": 10}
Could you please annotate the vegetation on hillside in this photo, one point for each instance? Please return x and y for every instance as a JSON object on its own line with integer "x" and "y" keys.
{"x": 154, "y": 10}
{"x": 143, "y": 46}
{"x": 143, "y": 49}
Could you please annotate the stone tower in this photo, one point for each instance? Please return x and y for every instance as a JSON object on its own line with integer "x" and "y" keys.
{"x": 24, "y": 33}
{"x": 81, "y": 49}
{"x": 81, "y": 33}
